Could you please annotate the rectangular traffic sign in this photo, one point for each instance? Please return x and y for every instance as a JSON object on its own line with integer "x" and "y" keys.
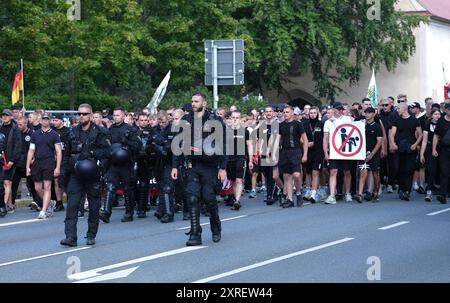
{"x": 229, "y": 61}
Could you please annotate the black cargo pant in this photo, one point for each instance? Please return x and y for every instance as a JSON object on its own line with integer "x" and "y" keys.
{"x": 200, "y": 186}
{"x": 405, "y": 168}
{"x": 75, "y": 189}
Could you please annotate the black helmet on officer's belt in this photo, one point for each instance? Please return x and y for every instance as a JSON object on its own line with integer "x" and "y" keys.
{"x": 86, "y": 168}
{"x": 119, "y": 154}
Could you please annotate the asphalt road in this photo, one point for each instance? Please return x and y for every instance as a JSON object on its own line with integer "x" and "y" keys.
{"x": 388, "y": 241}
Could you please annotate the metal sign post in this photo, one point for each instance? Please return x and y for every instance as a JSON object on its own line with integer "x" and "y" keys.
{"x": 224, "y": 64}
{"x": 215, "y": 82}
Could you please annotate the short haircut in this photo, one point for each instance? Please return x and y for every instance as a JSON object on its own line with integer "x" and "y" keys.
{"x": 365, "y": 99}
{"x": 316, "y": 108}
{"x": 200, "y": 94}
{"x": 179, "y": 112}
{"x": 85, "y": 105}
{"x": 161, "y": 114}
{"x": 22, "y": 118}
{"x": 142, "y": 114}
{"x": 119, "y": 108}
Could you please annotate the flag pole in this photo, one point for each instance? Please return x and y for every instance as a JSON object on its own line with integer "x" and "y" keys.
{"x": 23, "y": 85}
{"x": 443, "y": 72}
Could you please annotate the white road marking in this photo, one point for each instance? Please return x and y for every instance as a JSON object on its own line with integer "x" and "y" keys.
{"x": 263, "y": 263}
{"x": 393, "y": 225}
{"x": 44, "y": 256}
{"x": 94, "y": 272}
{"x": 207, "y": 223}
{"x": 20, "y": 222}
{"x": 111, "y": 276}
{"x": 438, "y": 212}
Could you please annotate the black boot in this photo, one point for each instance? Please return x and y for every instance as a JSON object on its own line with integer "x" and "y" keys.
{"x": 216, "y": 226}
{"x": 106, "y": 210}
{"x": 195, "y": 234}
{"x": 169, "y": 207}
{"x": 142, "y": 203}
{"x": 129, "y": 207}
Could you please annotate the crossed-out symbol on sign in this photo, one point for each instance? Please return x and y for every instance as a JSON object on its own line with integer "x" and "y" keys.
{"x": 347, "y": 139}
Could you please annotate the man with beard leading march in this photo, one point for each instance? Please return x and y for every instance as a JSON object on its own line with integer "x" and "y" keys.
{"x": 88, "y": 146}
{"x": 204, "y": 161}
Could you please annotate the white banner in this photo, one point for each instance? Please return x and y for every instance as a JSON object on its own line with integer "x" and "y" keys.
{"x": 348, "y": 141}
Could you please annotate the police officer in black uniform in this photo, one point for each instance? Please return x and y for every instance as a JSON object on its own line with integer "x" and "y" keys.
{"x": 143, "y": 166}
{"x": 204, "y": 163}
{"x": 166, "y": 205}
{"x": 87, "y": 147}
{"x": 125, "y": 145}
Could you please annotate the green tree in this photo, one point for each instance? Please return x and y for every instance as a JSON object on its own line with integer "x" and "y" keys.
{"x": 123, "y": 48}
{"x": 332, "y": 39}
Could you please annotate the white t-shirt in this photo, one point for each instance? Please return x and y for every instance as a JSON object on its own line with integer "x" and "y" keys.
{"x": 335, "y": 121}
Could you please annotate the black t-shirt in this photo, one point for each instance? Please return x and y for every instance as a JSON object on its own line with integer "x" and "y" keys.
{"x": 44, "y": 143}
{"x": 35, "y": 127}
{"x": 264, "y": 132}
{"x": 373, "y": 131}
{"x": 26, "y": 138}
{"x": 423, "y": 121}
{"x": 430, "y": 127}
{"x": 388, "y": 119}
{"x": 63, "y": 133}
{"x": 290, "y": 134}
{"x": 314, "y": 132}
{"x": 240, "y": 137}
{"x": 442, "y": 129}
{"x": 406, "y": 129}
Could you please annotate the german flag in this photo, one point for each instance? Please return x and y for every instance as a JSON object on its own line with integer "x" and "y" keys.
{"x": 17, "y": 87}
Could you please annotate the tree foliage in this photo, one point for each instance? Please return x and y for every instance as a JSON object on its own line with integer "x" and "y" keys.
{"x": 123, "y": 48}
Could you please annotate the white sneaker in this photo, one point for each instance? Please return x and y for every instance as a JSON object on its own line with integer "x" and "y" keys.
{"x": 263, "y": 189}
{"x": 307, "y": 196}
{"x": 415, "y": 186}
{"x": 330, "y": 200}
{"x": 42, "y": 215}
{"x": 348, "y": 197}
{"x": 390, "y": 190}
{"x": 313, "y": 197}
{"x": 51, "y": 208}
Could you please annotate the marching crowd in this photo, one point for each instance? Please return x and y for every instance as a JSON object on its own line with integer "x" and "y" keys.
{"x": 279, "y": 151}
